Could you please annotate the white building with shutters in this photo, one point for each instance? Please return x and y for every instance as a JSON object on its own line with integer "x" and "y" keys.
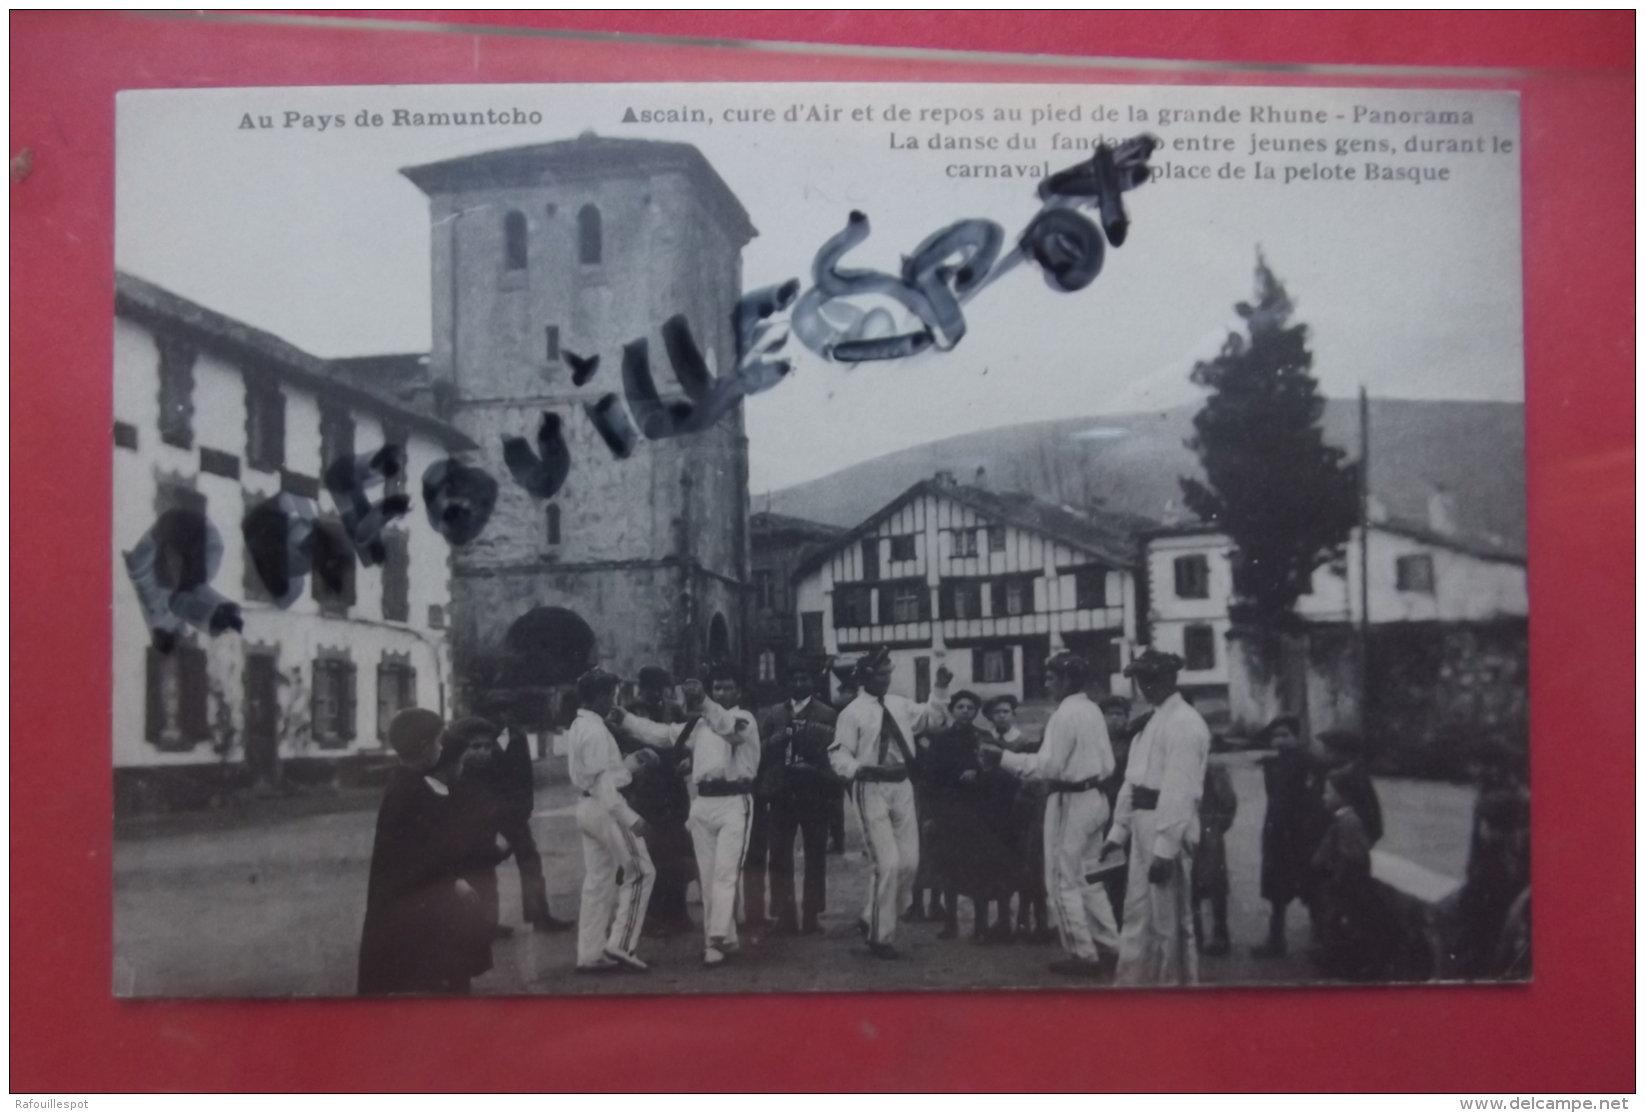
{"x": 214, "y": 416}
{"x": 987, "y": 583}
{"x": 1417, "y": 573}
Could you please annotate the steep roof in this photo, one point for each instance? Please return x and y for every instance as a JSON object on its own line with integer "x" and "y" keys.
{"x": 1480, "y": 547}
{"x": 1111, "y": 537}
{"x": 584, "y": 158}
{"x": 157, "y": 307}
{"x": 401, "y": 378}
{"x": 765, "y": 521}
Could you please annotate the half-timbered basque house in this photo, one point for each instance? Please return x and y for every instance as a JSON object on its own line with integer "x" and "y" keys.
{"x": 988, "y": 583}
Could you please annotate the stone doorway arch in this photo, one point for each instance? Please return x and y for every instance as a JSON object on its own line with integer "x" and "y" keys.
{"x": 544, "y": 652}
{"x": 719, "y": 639}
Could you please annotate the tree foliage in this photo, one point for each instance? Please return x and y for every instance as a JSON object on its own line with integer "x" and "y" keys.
{"x": 1286, "y": 499}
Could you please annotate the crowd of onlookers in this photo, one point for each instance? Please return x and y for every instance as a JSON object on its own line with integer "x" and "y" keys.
{"x": 461, "y": 800}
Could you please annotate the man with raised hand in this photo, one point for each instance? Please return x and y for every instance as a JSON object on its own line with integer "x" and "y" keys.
{"x": 874, "y": 749}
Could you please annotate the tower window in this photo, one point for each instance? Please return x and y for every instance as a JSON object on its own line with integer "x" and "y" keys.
{"x": 553, "y": 524}
{"x": 551, "y": 343}
{"x": 589, "y": 246}
{"x": 514, "y": 240}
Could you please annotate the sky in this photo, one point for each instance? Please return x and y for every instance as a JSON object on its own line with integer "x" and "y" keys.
{"x": 1411, "y": 289}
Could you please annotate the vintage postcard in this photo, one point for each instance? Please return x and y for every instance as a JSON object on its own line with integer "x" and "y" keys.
{"x": 735, "y": 538}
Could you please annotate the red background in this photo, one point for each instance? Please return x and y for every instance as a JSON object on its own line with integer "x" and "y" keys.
{"x": 1572, "y": 1030}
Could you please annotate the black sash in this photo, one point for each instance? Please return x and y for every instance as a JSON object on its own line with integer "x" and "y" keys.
{"x": 888, "y": 726}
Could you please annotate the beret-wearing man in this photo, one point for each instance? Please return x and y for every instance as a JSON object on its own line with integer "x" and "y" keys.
{"x": 1158, "y": 814}
{"x": 610, "y": 918}
{"x": 874, "y": 739}
{"x": 1073, "y": 760}
{"x": 724, "y": 741}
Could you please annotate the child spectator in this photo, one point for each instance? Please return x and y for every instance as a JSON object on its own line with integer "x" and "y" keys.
{"x": 1210, "y": 875}
{"x": 1347, "y": 901}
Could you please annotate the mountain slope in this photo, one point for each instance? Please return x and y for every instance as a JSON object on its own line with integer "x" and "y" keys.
{"x": 1472, "y": 451}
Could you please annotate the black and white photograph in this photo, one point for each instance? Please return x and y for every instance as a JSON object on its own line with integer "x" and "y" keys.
{"x": 734, "y": 538}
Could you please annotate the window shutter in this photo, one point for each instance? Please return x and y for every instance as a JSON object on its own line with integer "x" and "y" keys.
{"x": 346, "y": 699}
{"x": 886, "y": 614}
{"x": 318, "y": 728}
{"x": 191, "y": 663}
{"x": 976, "y": 665}
{"x": 925, "y": 603}
{"x": 997, "y": 590}
{"x": 349, "y": 578}
{"x": 387, "y": 699}
{"x": 945, "y": 600}
{"x": 153, "y": 711}
{"x": 276, "y": 455}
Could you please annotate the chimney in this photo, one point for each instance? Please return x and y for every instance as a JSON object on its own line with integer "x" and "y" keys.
{"x": 944, "y": 478}
{"x": 981, "y": 478}
{"x": 1442, "y": 512}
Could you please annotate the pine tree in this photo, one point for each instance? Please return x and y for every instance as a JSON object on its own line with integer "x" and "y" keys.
{"x": 1286, "y": 499}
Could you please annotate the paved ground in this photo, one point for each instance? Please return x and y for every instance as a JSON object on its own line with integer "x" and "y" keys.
{"x": 273, "y": 906}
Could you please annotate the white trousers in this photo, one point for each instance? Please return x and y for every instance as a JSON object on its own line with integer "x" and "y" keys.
{"x": 1080, "y": 909}
{"x": 891, "y": 839}
{"x": 1157, "y": 944}
{"x": 608, "y": 846}
{"x": 719, "y": 828}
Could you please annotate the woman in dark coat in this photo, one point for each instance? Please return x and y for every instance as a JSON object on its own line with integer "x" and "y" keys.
{"x": 1027, "y": 823}
{"x": 969, "y": 822}
{"x": 1292, "y": 826}
{"x": 470, "y": 762}
{"x": 424, "y": 930}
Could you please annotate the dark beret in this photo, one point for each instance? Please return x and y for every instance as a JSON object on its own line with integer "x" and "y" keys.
{"x": 655, "y": 676}
{"x": 471, "y": 729}
{"x": 595, "y": 683}
{"x": 724, "y": 671}
{"x": 1153, "y": 662}
{"x": 872, "y": 660}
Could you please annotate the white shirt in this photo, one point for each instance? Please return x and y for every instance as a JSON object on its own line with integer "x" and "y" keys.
{"x": 596, "y": 765}
{"x": 857, "y": 730}
{"x": 1075, "y": 747}
{"x": 724, "y": 744}
{"x": 1169, "y": 755}
{"x": 1012, "y": 739}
